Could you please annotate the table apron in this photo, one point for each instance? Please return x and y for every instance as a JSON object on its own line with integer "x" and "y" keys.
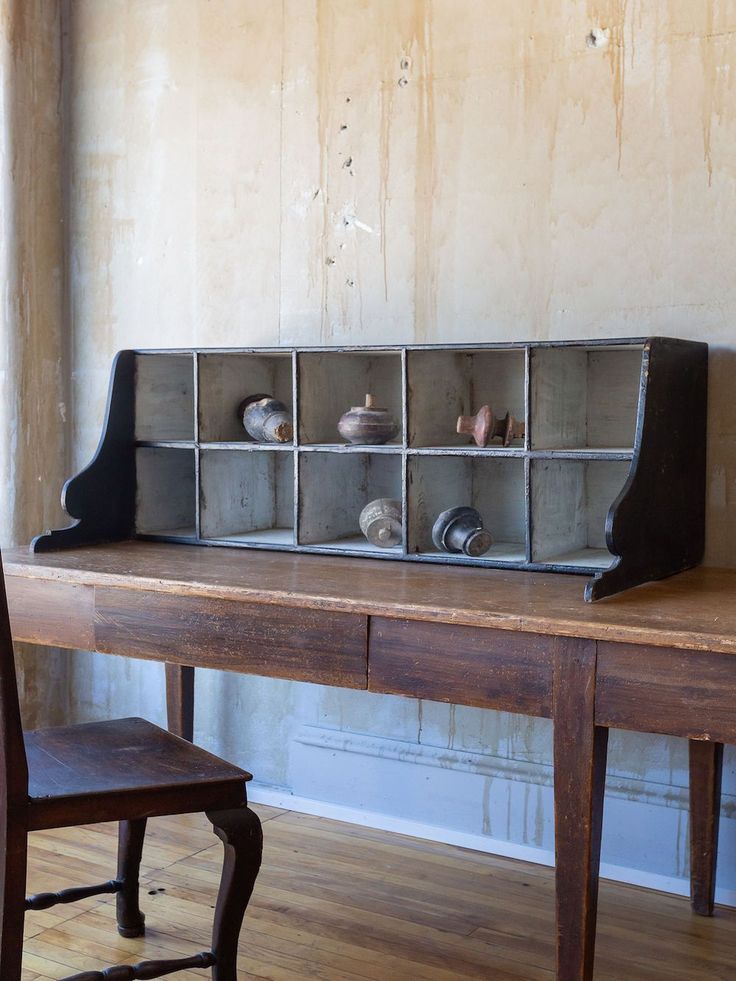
{"x": 500, "y": 669}
{"x": 665, "y": 690}
{"x": 57, "y": 614}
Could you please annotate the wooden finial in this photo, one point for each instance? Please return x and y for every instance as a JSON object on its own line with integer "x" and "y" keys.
{"x": 484, "y": 426}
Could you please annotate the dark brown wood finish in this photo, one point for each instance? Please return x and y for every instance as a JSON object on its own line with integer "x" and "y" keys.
{"x": 693, "y": 611}
{"x": 679, "y": 693}
{"x": 486, "y": 668}
{"x": 64, "y": 618}
{"x": 125, "y": 770}
{"x": 146, "y": 970}
{"x": 241, "y": 835}
{"x": 13, "y": 806}
{"x": 323, "y": 647}
{"x": 180, "y": 700}
{"x": 131, "y": 834}
{"x": 706, "y": 768}
{"x": 580, "y": 773}
{"x": 665, "y": 657}
{"x": 100, "y": 768}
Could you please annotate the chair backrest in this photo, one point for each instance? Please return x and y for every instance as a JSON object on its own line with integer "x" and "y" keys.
{"x": 13, "y": 764}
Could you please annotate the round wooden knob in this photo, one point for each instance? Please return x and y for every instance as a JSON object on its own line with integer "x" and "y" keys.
{"x": 478, "y": 426}
{"x": 460, "y": 531}
{"x": 266, "y": 419}
{"x": 381, "y": 522}
{"x": 368, "y": 424}
{"x": 484, "y": 426}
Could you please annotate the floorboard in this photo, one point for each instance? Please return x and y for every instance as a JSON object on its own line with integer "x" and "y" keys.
{"x": 337, "y": 902}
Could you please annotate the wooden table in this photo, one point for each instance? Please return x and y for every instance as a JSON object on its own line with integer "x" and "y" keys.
{"x": 659, "y": 658}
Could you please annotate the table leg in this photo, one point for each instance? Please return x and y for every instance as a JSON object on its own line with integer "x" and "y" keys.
{"x": 706, "y": 767}
{"x": 580, "y": 750}
{"x": 180, "y": 700}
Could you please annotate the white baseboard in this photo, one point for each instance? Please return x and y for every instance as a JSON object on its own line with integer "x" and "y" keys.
{"x": 274, "y": 797}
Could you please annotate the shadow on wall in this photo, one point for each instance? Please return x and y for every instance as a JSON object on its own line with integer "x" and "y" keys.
{"x": 720, "y": 549}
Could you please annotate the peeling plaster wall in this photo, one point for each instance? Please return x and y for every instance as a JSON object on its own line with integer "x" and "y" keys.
{"x": 323, "y": 171}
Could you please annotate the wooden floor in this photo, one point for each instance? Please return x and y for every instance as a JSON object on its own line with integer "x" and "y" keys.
{"x": 341, "y": 903}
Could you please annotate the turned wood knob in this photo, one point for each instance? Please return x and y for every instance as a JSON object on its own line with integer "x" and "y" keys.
{"x": 381, "y": 522}
{"x": 460, "y": 530}
{"x": 368, "y": 424}
{"x": 266, "y": 419}
{"x": 484, "y": 426}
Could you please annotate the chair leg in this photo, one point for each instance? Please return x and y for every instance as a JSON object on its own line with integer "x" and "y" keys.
{"x": 131, "y": 922}
{"x": 13, "y": 862}
{"x": 240, "y": 832}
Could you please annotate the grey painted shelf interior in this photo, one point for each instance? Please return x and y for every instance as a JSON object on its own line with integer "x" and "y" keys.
{"x": 545, "y": 498}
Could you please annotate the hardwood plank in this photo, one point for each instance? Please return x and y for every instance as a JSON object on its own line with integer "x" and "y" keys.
{"x": 339, "y": 918}
{"x": 695, "y": 610}
{"x": 675, "y": 692}
{"x": 254, "y": 638}
{"x": 57, "y": 613}
{"x": 466, "y": 665}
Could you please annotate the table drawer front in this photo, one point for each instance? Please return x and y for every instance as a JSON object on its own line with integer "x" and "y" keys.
{"x": 468, "y": 665}
{"x": 43, "y": 611}
{"x": 254, "y": 638}
{"x": 652, "y": 689}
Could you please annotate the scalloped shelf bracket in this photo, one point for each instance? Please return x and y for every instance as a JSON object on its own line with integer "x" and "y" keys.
{"x": 101, "y": 498}
{"x": 662, "y": 496}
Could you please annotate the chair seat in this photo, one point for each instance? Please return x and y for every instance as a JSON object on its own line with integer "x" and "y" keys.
{"x": 123, "y": 769}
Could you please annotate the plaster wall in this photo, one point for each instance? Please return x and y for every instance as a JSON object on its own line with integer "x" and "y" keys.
{"x": 324, "y": 171}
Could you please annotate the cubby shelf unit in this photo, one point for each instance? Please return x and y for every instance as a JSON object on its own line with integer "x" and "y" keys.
{"x": 608, "y": 478}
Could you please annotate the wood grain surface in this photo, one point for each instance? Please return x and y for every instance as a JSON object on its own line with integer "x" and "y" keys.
{"x": 339, "y": 901}
{"x": 304, "y": 645}
{"x": 61, "y": 616}
{"x": 679, "y": 693}
{"x": 695, "y": 610}
{"x": 448, "y": 663}
{"x": 146, "y": 771}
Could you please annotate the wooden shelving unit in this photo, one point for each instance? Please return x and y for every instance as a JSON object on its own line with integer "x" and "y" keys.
{"x": 608, "y": 479}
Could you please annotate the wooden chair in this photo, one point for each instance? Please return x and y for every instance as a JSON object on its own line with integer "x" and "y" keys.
{"x": 126, "y": 770}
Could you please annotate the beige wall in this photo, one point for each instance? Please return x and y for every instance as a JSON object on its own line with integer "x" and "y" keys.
{"x": 254, "y": 171}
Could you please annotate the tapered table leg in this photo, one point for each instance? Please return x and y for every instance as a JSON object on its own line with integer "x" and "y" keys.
{"x": 706, "y": 767}
{"x": 580, "y": 749}
{"x": 180, "y": 700}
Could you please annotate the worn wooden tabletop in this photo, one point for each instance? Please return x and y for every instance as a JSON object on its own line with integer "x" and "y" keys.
{"x": 695, "y": 610}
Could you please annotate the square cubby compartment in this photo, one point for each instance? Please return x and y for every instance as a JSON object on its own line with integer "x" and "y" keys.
{"x": 164, "y": 397}
{"x": 570, "y": 504}
{"x": 166, "y": 496}
{"x": 333, "y": 490}
{"x": 494, "y": 486}
{"x": 446, "y": 384}
{"x": 584, "y": 397}
{"x": 225, "y": 380}
{"x": 331, "y": 383}
{"x": 247, "y": 496}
